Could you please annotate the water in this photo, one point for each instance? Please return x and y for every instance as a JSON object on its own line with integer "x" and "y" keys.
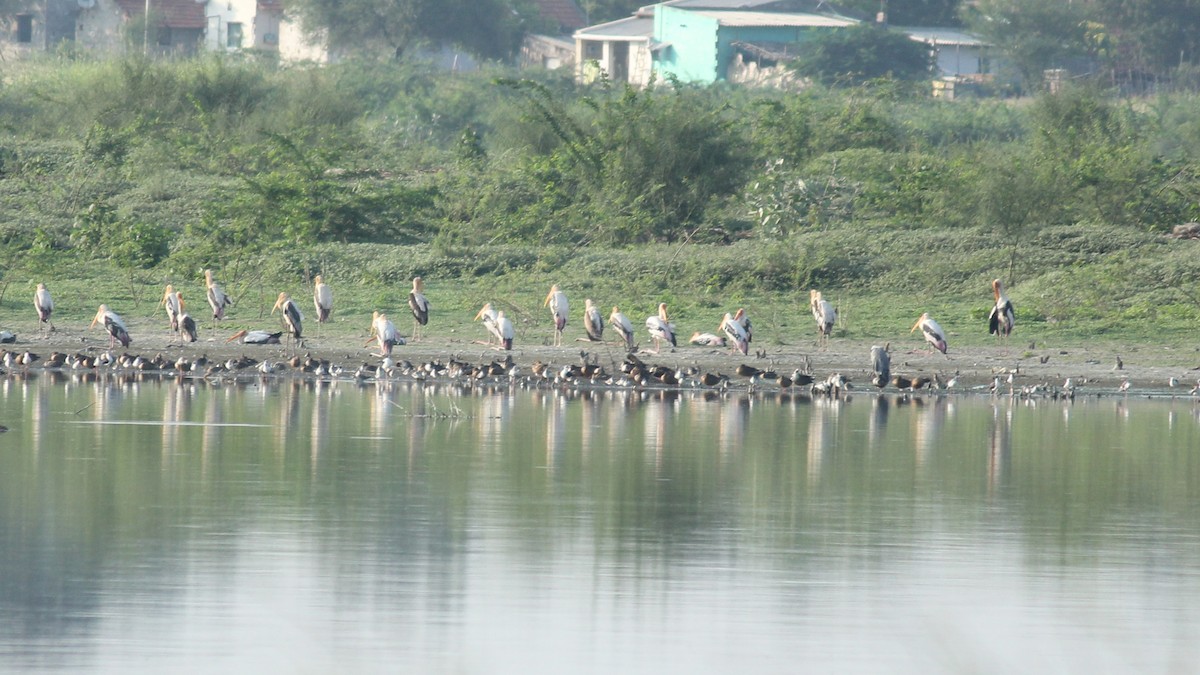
{"x": 150, "y": 526}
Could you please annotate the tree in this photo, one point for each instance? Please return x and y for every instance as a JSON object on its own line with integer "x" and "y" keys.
{"x": 1034, "y": 34}
{"x": 1150, "y": 36}
{"x": 487, "y": 28}
{"x": 864, "y": 52}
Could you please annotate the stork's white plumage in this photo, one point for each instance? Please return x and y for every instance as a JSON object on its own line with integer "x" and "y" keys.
{"x": 735, "y": 333}
{"x": 113, "y": 324}
{"x": 933, "y": 333}
{"x": 419, "y": 306}
{"x": 557, "y": 301}
{"x": 623, "y": 326}
{"x": 593, "y": 323}
{"x": 660, "y": 328}
{"x": 217, "y": 299}
{"x": 44, "y": 305}
{"x": 1002, "y": 317}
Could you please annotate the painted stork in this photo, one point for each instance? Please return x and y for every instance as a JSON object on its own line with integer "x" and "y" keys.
{"x": 292, "y": 318}
{"x": 322, "y": 301}
{"x": 593, "y": 324}
{"x": 933, "y": 333}
{"x": 113, "y": 324}
{"x": 216, "y": 297}
{"x": 1002, "y": 317}
{"x": 622, "y": 325}
{"x": 504, "y": 329}
{"x": 557, "y": 301}
{"x": 44, "y": 305}
{"x": 735, "y": 333}
{"x": 707, "y": 340}
{"x": 881, "y": 365}
{"x": 170, "y": 302}
{"x": 187, "y": 325}
{"x": 660, "y": 328}
{"x": 741, "y": 317}
{"x": 384, "y": 331}
{"x": 824, "y": 313}
{"x": 489, "y": 317}
{"x": 419, "y": 306}
{"x": 256, "y": 337}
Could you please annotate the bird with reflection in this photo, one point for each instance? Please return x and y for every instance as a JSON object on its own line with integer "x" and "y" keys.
{"x": 881, "y": 365}
{"x": 823, "y": 313}
{"x": 45, "y": 307}
{"x": 1002, "y": 317}
{"x": 660, "y": 328}
{"x": 744, "y": 319}
{"x": 187, "y": 325}
{"x": 292, "y": 318}
{"x": 623, "y": 326}
{"x": 419, "y": 306}
{"x": 932, "y": 332}
{"x": 557, "y": 301}
{"x": 504, "y": 329}
{"x": 217, "y": 299}
{"x": 113, "y": 324}
{"x": 593, "y": 323}
{"x": 170, "y": 302}
{"x": 322, "y": 300}
{"x": 735, "y": 333}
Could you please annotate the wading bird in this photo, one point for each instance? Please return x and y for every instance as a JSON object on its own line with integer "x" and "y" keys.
{"x": 1002, "y": 318}
{"x": 824, "y": 313}
{"x": 557, "y": 301}
{"x": 216, "y": 298}
{"x": 623, "y": 326}
{"x": 187, "y": 325}
{"x": 933, "y": 333}
{"x": 292, "y": 318}
{"x": 707, "y": 340}
{"x": 256, "y": 337}
{"x": 593, "y": 323}
{"x": 419, "y": 306}
{"x": 113, "y": 324}
{"x": 322, "y": 300}
{"x": 881, "y": 365}
{"x": 489, "y": 317}
{"x": 384, "y": 331}
{"x": 170, "y": 302}
{"x": 744, "y": 319}
{"x": 504, "y": 329}
{"x": 660, "y": 328}
{"x": 44, "y": 305}
{"x": 735, "y": 333}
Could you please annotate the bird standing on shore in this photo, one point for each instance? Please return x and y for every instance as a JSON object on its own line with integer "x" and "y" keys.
{"x": 1002, "y": 318}
{"x": 557, "y": 301}
{"x": 216, "y": 297}
{"x": 113, "y": 324}
{"x": 735, "y": 332}
{"x": 170, "y": 302}
{"x": 504, "y": 329}
{"x": 45, "y": 307}
{"x": 823, "y": 313}
{"x": 384, "y": 331}
{"x": 187, "y": 325}
{"x": 881, "y": 365}
{"x": 660, "y": 327}
{"x": 744, "y": 319}
{"x": 419, "y": 306}
{"x": 322, "y": 300}
{"x": 593, "y": 323}
{"x": 933, "y": 333}
{"x": 489, "y": 315}
{"x": 292, "y": 317}
{"x": 623, "y": 326}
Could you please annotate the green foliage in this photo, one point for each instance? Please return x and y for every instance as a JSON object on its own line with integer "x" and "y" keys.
{"x": 862, "y": 53}
{"x": 1033, "y": 34}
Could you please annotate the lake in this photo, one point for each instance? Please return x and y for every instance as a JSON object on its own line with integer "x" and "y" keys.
{"x": 152, "y": 526}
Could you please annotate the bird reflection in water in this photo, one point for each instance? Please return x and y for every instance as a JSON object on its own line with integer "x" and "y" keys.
{"x": 731, "y": 425}
{"x": 877, "y": 424}
{"x": 821, "y": 425}
{"x": 1000, "y": 447}
{"x": 929, "y": 423}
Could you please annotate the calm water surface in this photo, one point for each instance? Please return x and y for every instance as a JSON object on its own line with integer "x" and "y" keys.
{"x": 150, "y": 526}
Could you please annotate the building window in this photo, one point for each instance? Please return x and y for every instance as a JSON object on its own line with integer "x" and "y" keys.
{"x": 24, "y": 28}
{"x": 233, "y": 35}
{"x": 592, "y": 51}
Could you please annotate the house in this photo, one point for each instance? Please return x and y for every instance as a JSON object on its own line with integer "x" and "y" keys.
{"x": 40, "y": 27}
{"x": 553, "y": 48}
{"x": 175, "y": 27}
{"x": 621, "y": 49}
{"x": 957, "y": 54}
{"x": 233, "y": 25}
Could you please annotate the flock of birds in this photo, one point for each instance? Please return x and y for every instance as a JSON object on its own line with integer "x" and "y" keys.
{"x": 734, "y": 331}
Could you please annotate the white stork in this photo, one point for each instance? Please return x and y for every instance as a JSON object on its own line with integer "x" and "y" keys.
{"x": 292, "y": 318}
{"x": 735, "y": 333}
{"x": 593, "y": 323}
{"x": 557, "y": 301}
{"x": 44, "y": 305}
{"x": 1002, "y": 318}
{"x": 216, "y": 297}
{"x": 660, "y": 328}
{"x": 622, "y": 325}
{"x": 322, "y": 301}
{"x": 113, "y": 324}
{"x": 933, "y": 333}
{"x": 419, "y": 306}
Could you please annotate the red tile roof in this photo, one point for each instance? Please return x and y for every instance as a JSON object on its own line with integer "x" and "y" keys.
{"x": 170, "y": 13}
{"x": 565, "y": 12}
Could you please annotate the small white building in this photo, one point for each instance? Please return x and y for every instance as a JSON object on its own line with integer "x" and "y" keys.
{"x": 621, "y": 49}
{"x": 958, "y": 54}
